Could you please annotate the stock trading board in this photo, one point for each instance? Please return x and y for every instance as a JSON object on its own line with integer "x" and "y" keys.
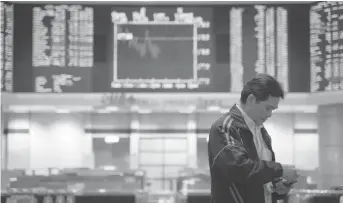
{"x": 6, "y": 47}
{"x": 326, "y": 37}
{"x": 116, "y": 48}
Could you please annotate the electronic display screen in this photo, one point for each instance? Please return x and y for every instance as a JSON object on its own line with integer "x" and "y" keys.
{"x": 326, "y": 37}
{"x": 158, "y": 48}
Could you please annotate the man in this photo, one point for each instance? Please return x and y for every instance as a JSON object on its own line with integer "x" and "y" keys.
{"x": 241, "y": 158}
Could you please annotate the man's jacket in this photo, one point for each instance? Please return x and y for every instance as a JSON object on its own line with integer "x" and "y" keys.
{"x": 237, "y": 175}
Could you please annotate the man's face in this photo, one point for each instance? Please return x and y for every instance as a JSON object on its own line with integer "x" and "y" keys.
{"x": 261, "y": 111}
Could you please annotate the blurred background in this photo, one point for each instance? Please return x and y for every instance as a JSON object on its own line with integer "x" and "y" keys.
{"x": 115, "y": 99}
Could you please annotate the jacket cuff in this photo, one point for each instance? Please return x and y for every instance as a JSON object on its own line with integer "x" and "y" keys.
{"x": 279, "y": 170}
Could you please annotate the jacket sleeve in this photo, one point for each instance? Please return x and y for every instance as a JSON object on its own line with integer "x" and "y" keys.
{"x": 231, "y": 158}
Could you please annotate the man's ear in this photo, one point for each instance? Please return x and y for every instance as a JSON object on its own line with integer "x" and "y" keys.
{"x": 251, "y": 99}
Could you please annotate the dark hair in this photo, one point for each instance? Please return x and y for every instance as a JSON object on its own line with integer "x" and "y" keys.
{"x": 262, "y": 86}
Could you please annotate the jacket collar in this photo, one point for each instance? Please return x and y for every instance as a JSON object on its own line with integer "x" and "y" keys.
{"x": 238, "y": 117}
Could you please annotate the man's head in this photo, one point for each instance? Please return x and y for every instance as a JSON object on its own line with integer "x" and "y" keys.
{"x": 260, "y": 96}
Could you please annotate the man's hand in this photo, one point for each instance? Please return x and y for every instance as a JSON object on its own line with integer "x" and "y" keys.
{"x": 281, "y": 188}
{"x": 290, "y": 174}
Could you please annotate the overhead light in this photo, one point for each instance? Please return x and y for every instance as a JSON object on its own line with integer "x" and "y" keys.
{"x": 112, "y": 139}
{"x": 213, "y": 108}
{"x": 134, "y": 108}
{"x": 18, "y": 109}
{"x": 144, "y": 111}
{"x": 110, "y": 168}
{"x": 135, "y": 124}
{"x": 62, "y": 111}
{"x": 305, "y": 109}
{"x": 81, "y": 108}
{"x": 139, "y": 173}
{"x": 191, "y": 125}
{"x": 223, "y": 110}
{"x": 189, "y": 109}
{"x": 103, "y": 111}
{"x": 112, "y": 108}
